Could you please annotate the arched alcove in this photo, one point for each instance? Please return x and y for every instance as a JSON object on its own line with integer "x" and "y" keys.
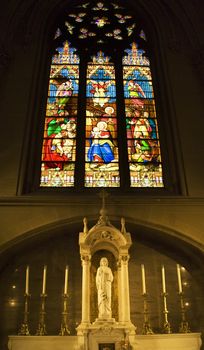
{"x": 58, "y": 246}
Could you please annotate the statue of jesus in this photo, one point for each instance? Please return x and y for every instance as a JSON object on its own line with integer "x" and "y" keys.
{"x": 104, "y": 279}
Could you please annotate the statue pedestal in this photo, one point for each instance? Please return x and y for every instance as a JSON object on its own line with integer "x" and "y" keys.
{"x": 101, "y": 321}
{"x": 106, "y": 331}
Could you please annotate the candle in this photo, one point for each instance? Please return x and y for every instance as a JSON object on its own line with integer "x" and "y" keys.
{"x": 44, "y": 279}
{"x": 179, "y": 278}
{"x": 143, "y": 280}
{"x": 66, "y": 279}
{"x": 163, "y": 280}
{"x": 27, "y": 281}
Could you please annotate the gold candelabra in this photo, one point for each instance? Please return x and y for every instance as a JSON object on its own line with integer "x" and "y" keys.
{"x": 64, "y": 330}
{"x": 184, "y": 327}
{"x": 24, "y": 328}
{"x": 166, "y": 325}
{"x": 41, "y": 330}
{"x": 146, "y": 325}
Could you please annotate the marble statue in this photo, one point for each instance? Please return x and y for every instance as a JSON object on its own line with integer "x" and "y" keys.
{"x": 104, "y": 279}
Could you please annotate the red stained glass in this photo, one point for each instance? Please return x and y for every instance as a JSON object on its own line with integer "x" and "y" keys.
{"x": 59, "y": 144}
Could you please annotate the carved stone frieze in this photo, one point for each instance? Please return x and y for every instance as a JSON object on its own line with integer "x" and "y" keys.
{"x": 107, "y": 235}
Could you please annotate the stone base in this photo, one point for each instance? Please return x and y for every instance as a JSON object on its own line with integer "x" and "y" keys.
{"x": 105, "y": 330}
{"x": 189, "y": 341}
{"x": 107, "y": 335}
{"x": 19, "y": 342}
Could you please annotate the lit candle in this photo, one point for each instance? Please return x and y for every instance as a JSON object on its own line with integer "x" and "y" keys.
{"x": 66, "y": 279}
{"x": 163, "y": 280}
{"x": 27, "y": 281}
{"x": 179, "y": 278}
{"x": 44, "y": 279}
{"x": 143, "y": 280}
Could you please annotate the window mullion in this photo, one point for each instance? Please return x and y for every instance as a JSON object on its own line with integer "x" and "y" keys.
{"x": 122, "y": 138}
{"x": 81, "y": 111}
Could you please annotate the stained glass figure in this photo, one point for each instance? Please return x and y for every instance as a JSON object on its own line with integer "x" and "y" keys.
{"x": 101, "y": 150}
{"x": 59, "y": 145}
{"x": 141, "y": 125}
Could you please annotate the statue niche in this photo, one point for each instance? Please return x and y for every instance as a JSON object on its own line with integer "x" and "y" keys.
{"x": 105, "y": 284}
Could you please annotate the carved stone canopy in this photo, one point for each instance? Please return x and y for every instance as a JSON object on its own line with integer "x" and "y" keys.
{"x": 104, "y": 236}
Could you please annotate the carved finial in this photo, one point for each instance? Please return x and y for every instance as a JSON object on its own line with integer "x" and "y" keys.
{"x": 123, "y": 228}
{"x": 85, "y": 221}
{"x": 103, "y": 194}
{"x": 103, "y": 219}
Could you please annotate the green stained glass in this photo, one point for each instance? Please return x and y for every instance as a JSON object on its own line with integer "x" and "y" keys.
{"x": 101, "y": 148}
{"x": 143, "y": 145}
{"x": 59, "y": 142}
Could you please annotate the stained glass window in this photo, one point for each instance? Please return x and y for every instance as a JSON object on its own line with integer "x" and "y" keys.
{"x": 59, "y": 144}
{"x": 101, "y": 169}
{"x": 141, "y": 125}
{"x": 100, "y": 86}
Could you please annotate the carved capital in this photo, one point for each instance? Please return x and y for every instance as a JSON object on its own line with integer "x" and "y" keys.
{"x": 85, "y": 259}
{"x": 123, "y": 260}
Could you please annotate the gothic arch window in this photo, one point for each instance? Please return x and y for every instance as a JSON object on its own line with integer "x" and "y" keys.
{"x": 100, "y": 128}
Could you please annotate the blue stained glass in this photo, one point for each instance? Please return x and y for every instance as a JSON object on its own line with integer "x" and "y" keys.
{"x": 52, "y": 94}
{"x": 141, "y": 128}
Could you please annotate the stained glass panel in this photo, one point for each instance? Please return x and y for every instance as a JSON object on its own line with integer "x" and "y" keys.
{"x": 101, "y": 149}
{"x": 143, "y": 145}
{"x": 59, "y": 143}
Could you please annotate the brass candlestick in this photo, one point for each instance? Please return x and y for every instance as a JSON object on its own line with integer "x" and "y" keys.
{"x": 24, "y": 328}
{"x": 146, "y": 325}
{"x": 41, "y": 330}
{"x": 64, "y": 330}
{"x": 166, "y": 325}
{"x": 184, "y": 327}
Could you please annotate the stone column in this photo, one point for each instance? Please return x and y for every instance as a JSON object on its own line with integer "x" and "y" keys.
{"x": 86, "y": 262}
{"x": 124, "y": 292}
{"x": 120, "y": 317}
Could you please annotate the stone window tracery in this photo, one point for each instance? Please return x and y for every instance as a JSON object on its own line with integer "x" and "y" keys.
{"x": 113, "y": 106}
